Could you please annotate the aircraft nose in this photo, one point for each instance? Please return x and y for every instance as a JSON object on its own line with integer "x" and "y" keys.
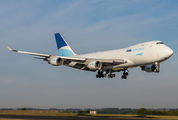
{"x": 169, "y": 52}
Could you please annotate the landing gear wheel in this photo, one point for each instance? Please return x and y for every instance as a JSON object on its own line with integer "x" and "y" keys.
{"x": 126, "y": 73}
{"x": 100, "y": 74}
{"x": 124, "y": 77}
{"x": 111, "y": 75}
{"x": 104, "y": 75}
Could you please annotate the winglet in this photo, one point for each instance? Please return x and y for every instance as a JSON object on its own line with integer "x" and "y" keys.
{"x": 10, "y": 49}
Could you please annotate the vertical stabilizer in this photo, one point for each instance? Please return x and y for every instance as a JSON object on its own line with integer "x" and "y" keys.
{"x": 63, "y": 48}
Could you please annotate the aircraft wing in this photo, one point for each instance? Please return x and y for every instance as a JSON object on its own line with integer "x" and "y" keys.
{"x": 47, "y": 57}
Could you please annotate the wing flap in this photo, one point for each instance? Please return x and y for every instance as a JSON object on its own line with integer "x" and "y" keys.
{"x": 109, "y": 61}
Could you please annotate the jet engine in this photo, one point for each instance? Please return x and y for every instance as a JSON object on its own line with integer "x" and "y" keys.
{"x": 95, "y": 65}
{"x": 149, "y": 68}
{"x": 56, "y": 61}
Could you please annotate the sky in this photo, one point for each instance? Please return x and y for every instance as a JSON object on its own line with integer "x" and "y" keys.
{"x": 88, "y": 26}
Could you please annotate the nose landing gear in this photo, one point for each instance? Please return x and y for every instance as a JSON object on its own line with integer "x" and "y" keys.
{"x": 157, "y": 67}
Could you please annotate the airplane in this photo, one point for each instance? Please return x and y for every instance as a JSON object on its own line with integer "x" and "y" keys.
{"x": 147, "y": 55}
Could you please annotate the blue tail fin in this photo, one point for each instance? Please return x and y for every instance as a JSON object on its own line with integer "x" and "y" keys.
{"x": 63, "y": 48}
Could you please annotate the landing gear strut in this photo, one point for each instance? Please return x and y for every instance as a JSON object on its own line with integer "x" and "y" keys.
{"x": 157, "y": 67}
{"x": 125, "y": 74}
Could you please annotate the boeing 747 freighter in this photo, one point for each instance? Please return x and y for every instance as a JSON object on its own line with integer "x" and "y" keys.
{"x": 146, "y": 55}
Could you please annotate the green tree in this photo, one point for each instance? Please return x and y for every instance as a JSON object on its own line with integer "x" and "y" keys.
{"x": 81, "y": 112}
{"x": 165, "y": 112}
{"x": 142, "y": 111}
{"x": 87, "y": 111}
{"x": 164, "y": 109}
{"x": 24, "y": 109}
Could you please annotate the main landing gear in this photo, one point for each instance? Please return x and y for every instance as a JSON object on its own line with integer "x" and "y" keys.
{"x": 101, "y": 74}
{"x": 125, "y": 74}
{"x": 111, "y": 75}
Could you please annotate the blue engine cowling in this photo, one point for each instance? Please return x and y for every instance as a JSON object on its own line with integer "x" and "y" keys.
{"x": 149, "y": 68}
{"x": 95, "y": 65}
{"x": 56, "y": 61}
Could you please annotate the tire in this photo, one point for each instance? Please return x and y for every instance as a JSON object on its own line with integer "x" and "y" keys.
{"x": 126, "y": 73}
{"x": 104, "y": 75}
{"x": 114, "y": 75}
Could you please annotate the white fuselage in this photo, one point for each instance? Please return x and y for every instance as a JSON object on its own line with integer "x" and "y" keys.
{"x": 137, "y": 55}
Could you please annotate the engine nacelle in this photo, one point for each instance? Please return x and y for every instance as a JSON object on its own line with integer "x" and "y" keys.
{"x": 149, "y": 68}
{"x": 95, "y": 65}
{"x": 56, "y": 61}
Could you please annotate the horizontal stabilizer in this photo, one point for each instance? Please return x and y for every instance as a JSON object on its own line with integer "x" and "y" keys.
{"x": 39, "y": 58}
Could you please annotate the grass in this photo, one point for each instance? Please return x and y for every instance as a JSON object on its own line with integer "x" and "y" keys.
{"x": 11, "y": 119}
{"x": 56, "y": 113}
{"x": 36, "y": 112}
{"x": 137, "y": 116}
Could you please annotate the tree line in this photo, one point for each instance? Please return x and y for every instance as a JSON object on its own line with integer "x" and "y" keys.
{"x": 144, "y": 111}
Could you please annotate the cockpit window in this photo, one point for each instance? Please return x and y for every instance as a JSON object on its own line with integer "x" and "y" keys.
{"x": 159, "y": 43}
